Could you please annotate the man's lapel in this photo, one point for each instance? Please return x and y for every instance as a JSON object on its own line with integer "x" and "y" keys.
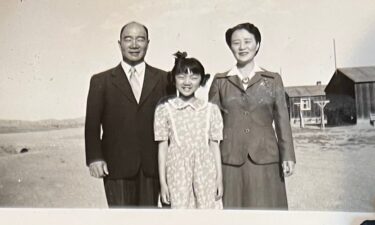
{"x": 121, "y": 82}
{"x": 150, "y": 81}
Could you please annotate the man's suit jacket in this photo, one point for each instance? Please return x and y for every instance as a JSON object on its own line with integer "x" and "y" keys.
{"x": 248, "y": 116}
{"x": 127, "y": 143}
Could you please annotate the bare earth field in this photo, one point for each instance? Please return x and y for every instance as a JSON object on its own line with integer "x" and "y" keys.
{"x": 51, "y": 174}
{"x": 334, "y": 171}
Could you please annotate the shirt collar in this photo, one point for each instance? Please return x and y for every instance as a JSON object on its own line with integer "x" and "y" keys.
{"x": 178, "y": 103}
{"x": 139, "y": 68}
{"x": 235, "y": 71}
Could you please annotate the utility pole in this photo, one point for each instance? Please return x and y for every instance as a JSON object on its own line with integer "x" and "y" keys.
{"x": 334, "y": 53}
{"x": 321, "y": 105}
{"x": 301, "y": 122}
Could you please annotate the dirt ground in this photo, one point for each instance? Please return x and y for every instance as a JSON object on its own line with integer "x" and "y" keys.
{"x": 334, "y": 171}
{"x": 51, "y": 174}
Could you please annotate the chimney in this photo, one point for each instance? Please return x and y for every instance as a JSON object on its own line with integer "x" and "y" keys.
{"x": 318, "y": 83}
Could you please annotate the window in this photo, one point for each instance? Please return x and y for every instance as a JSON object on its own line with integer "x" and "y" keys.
{"x": 305, "y": 104}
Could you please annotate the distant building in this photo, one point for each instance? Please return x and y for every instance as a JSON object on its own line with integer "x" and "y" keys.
{"x": 303, "y": 97}
{"x": 351, "y": 92}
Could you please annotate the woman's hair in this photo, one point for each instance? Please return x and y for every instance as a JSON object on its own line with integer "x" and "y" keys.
{"x": 182, "y": 64}
{"x": 251, "y": 28}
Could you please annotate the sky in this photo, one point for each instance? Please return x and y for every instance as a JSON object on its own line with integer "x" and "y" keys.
{"x": 50, "y": 49}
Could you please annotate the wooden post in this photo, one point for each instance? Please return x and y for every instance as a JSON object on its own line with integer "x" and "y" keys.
{"x": 301, "y": 118}
{"x": 301, "y": 122}
{"x": 321, "y": 105}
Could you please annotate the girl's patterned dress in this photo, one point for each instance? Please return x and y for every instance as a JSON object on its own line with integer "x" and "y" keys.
{"x": 190, "y": 164}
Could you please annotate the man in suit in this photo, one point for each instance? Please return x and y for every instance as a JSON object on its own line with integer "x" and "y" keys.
{"x": 121, "y": 103}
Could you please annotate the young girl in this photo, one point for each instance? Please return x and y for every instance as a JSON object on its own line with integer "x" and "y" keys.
{"x": 188, "y": 130}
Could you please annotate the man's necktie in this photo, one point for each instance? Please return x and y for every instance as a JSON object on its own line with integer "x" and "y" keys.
{"x": 135, "y": 84}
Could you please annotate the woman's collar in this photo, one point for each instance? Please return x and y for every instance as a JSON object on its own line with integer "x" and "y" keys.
{"x": 235, "y": 71}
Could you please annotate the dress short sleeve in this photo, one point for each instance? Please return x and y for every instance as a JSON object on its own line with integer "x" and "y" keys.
{"x": 216, "y": 124}
{"x": 161, "y": 127}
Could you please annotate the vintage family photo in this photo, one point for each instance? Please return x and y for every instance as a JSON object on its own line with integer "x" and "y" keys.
{"x": 245, "y": 105}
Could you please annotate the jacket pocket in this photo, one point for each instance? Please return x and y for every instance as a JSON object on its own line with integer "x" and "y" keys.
{"x": 265, "y": 150}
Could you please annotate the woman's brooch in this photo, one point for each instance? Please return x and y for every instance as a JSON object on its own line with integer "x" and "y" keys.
{"x": 265, "y": 83}
{"x": 245, "y": 81}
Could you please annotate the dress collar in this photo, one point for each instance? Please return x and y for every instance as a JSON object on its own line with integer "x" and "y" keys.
{"x": 235, "y": 71}
{"x": 197, "y": 104}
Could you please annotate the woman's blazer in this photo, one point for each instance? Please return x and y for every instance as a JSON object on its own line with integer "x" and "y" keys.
{"x": 256, "y": 120}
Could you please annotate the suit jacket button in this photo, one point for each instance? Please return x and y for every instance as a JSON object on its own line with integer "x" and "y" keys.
{"x": 247, "y": 130}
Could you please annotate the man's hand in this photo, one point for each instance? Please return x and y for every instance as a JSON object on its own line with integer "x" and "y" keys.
{"x": 98, "y": 169}
{"x": 288, "y": 168}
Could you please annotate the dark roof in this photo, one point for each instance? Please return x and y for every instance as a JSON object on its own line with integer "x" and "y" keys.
{"x": 359, "y": 74}
{"x": 305, "y": 91}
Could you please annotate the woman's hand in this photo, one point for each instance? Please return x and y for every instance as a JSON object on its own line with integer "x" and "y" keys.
{"x": 219, "y": 189}
{"x": 164, "y": 193}
{"x": 288, "y": 168}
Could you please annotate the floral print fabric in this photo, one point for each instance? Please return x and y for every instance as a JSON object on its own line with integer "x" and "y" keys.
{"x": 190, "y": 164}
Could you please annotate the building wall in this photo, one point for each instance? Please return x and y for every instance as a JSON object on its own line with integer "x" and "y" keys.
{"x": 341, "y": 110}
{"x": 365, "y": 100}
{"x": 315, "y": 109}
{"x": 340, "y": 85}
{"x": 342, "y": 107}
{"x": 310, "y": 116}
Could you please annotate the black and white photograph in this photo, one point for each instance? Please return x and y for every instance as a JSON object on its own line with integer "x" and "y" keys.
{"x": 187, "y": 111}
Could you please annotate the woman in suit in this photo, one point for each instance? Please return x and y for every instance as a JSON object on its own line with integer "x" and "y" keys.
{"x": 256, "y": 155}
